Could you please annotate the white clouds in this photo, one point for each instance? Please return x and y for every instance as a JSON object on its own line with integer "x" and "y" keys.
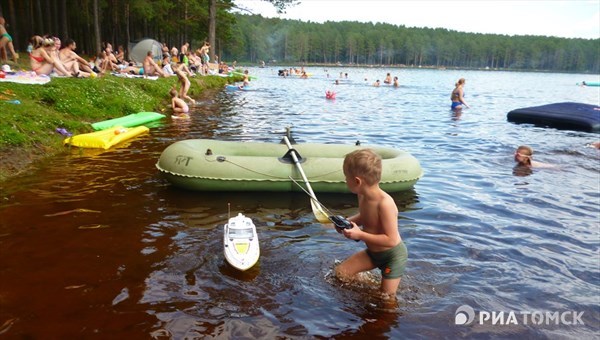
{"x": 574, "y": 18}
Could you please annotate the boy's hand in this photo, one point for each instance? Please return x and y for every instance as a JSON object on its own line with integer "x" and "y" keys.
{"x": 353, "y": 233}
{"x": 332, "y": 226}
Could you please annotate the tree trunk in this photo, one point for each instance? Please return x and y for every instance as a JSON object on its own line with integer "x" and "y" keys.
{"x": 63, "y": 19}
{"x": 13, "y": 23}
{"x": 127, "y": 33}
{"x": 40, "y": 18}
{"x": 212, "y": 25}
{"x": 97, "y": 27}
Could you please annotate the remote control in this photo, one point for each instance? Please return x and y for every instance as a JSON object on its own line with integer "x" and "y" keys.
{"x": 340, "y": 222}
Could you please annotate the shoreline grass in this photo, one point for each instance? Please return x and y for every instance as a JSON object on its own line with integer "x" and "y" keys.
{"x": 28, "y": 130}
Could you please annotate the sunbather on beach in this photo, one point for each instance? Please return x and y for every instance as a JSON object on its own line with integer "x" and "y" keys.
{"x": 150, "y": 66}
{"x": 41, "y": 59}
{"x": 73, "y": 62}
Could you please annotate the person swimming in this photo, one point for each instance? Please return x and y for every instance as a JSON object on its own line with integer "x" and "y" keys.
{"x": 524, "y": 157}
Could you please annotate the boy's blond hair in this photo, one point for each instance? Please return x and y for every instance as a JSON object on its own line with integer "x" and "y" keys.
{"x": 173, "y": 92}
{"x": 364, "y": 163}
{"x": 527, "y": 149}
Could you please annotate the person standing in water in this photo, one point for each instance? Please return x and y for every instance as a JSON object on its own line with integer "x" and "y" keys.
{"x": 378, "y": 216}
{"x": 457, "y": 96}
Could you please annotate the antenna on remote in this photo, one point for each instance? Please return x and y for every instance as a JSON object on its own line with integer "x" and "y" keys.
{"x": 228, "y": 210}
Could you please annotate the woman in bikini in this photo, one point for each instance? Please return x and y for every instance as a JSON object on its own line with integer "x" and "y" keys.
{"x": 41, "y": 60}
{"x": 457, "y": 95}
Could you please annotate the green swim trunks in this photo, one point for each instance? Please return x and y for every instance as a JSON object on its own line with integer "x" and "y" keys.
{"x": 391, "y": 262}
{"x": 6, "y": 35}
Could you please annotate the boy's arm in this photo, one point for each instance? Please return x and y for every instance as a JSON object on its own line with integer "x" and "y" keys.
{"x": 389, "y": 236}
{"x": 356, "y": 219}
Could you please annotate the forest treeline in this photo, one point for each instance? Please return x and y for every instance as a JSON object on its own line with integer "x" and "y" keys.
{"x": 252, "y": 38}
{"x": 257, "y": 38}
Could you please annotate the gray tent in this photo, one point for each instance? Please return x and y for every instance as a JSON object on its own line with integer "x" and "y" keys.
{"x": 139, "y": 50}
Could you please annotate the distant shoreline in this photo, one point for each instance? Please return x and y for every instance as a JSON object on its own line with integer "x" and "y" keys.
{"x": 402, "y": 66}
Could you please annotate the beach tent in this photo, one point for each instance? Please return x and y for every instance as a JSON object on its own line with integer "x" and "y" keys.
{"x": 139, "y": 49}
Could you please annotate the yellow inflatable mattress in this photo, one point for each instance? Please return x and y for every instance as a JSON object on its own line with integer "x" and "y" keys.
{"x": 106, "y": 138}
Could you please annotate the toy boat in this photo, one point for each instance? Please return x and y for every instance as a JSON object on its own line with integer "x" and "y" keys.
{"x": 240, "y": 242}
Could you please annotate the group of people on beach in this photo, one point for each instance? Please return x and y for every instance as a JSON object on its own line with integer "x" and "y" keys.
{"x": 50, "y": 56}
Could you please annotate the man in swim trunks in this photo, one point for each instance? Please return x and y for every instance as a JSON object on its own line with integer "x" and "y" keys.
{"x": 6, "y": 40}
{"x": 378, "y": 216}
{"x": 150, "y": 66}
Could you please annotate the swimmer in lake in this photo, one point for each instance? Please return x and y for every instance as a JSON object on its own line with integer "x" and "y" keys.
{"x": 388, "y": 79}
{"x": 524, "y": 157}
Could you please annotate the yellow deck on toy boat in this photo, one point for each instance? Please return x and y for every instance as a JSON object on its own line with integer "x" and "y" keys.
{"x": 106, "y": 138}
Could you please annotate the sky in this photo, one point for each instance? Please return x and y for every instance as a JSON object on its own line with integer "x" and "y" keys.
{"x": 569, "y": 19}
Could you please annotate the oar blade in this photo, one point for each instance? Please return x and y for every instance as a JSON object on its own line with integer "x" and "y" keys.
{"x": 319, "y": 212}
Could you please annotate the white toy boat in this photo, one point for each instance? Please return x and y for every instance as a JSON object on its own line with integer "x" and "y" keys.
{"x": 240, "y": 242}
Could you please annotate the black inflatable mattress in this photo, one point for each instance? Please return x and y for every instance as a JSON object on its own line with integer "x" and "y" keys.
{"x": 568, "y": 116}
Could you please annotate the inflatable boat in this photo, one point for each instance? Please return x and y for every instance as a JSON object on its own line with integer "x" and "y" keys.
{"x": 106, "y": 138}
{"x": 212, "y": 165}
{"x": 567, "y": 116}
{"x": 131, "y": 120}
{"x": 240, "y": 242}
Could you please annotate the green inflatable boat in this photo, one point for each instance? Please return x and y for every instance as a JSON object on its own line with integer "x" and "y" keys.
{"x": 212, "y": 165}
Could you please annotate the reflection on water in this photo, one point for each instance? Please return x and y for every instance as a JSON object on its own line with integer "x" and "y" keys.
{"x": 98, "y": 238}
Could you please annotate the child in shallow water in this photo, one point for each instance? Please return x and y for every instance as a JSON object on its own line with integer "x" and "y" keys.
{"x": 180, "y": 108}
{"x": 185, "y": 86}
{"x": 378, "y": 216}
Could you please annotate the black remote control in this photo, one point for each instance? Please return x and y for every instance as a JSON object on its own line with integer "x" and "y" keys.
{"x": 340, "y": 222}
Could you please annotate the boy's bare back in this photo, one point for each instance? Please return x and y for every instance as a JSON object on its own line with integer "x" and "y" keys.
{"x": 379, "y": 216}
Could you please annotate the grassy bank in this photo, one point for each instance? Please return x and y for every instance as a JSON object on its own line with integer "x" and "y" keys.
{"x": 28, "y": 130}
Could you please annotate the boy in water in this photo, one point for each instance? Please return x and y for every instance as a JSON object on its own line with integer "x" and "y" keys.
{"x": 524, "y": 157}
{"x": 378, "y": 216}
{"x": 180, "y": 108}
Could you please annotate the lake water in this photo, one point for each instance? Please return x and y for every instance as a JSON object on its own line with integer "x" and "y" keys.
{"x": 96, "y": 244}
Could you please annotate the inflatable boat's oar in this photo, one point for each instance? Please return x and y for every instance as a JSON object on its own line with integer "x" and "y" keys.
{"x": 318, "y": 211}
